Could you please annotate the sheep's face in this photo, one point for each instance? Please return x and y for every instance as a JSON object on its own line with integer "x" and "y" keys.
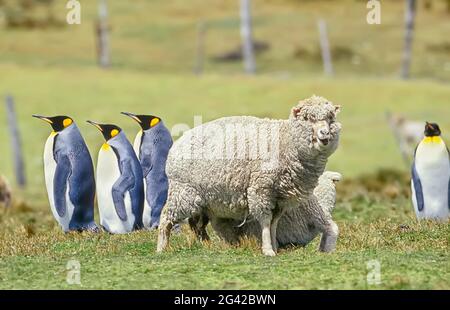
{"x": 316, "y": 119}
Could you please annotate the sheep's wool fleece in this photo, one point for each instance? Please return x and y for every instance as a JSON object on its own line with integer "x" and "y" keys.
{"x": 232, "y": 167}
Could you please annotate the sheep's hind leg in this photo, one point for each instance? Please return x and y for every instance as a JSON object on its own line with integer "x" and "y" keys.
{"x": 164, "y": 234}
{"x": 198, "y": 225}
{"x": 183, "y": 203}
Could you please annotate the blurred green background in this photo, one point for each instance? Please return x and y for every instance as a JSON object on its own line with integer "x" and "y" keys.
{"x": 50, "y": 67}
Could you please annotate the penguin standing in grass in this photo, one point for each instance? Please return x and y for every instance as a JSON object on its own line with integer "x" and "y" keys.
{"x": 120, "y": 188}
{"x": 69, "y": 175}
{"x": 152, "y": 145}
{"x": 431, "y": 176}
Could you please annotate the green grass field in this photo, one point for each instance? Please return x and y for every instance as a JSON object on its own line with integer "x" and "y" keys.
{"x": 53, "y": 72}
{"x": 34, "y": 252}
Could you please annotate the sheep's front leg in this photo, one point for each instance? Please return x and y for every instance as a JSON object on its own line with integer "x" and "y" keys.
{"x": 273, "y": 229}
{"x": 329, "y": 237}
{"x": 267, "y": 247}
{"x": 261, "y": 207}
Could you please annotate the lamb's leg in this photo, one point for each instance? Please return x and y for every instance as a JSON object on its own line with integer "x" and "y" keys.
{"x": 323, "y": 221}
{"x": 226, "y": 229}
{"x": 329, "y": 237}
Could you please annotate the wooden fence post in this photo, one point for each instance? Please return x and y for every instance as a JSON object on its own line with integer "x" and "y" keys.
{"x": 200, "y": 54}
{"x": 325, "y": 47}
{"x": 409, "y": 32}
{"x": 103, "y": 52}
{"x": 246, "y": 36}
{"x": 16, "y": 142}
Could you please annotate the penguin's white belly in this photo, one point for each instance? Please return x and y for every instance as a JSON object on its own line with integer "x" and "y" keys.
{"x": 433, "y": 168}
{"x": 137, "y": 143}
{"x": 108, "y": 173}
{"x": 147, "y": 216}
{"x": 49, "y": 172}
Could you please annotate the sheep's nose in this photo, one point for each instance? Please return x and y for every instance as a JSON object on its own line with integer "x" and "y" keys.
{"x": 324, "y": 132}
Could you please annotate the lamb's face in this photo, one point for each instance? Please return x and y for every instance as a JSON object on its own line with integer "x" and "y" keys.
{"x": 315, "y": 118}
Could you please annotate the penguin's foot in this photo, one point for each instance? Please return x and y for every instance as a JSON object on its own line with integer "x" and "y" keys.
{"x": 92, "y": 228}
{"x": 176, "y": 229}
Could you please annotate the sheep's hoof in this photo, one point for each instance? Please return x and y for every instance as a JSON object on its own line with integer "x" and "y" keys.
{"x": 269, "y": 252}
{"x": 160, "y": 247}
{"x": 327, "y": 250}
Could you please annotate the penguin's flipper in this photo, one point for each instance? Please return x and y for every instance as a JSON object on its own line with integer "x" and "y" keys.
{"x": 62, "y": 174}
{"x": 448, "y": 192}
{"x": 122, "y": 185}
{"x": 157, "y": 208}
{"x": 418, "y": 188}
{"x": 146, "y": 162}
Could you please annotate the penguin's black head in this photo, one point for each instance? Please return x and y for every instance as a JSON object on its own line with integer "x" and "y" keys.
{"x": 58, "y": 123}
{"x": 432, "y": 130}
{"x": 145, "y": 121}
{"x": 109, "y": 131}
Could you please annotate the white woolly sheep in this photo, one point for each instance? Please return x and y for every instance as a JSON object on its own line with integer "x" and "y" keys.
{"x": 294, "y": 227}
{"x": 217, "y": 170}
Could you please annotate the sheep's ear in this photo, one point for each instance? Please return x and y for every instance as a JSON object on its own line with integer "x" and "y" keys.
{"x": 296, "y": 111}
{"x": 337, "y": 109}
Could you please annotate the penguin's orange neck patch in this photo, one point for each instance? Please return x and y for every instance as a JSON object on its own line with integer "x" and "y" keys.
{"x": 105, "y": 147}
{"x": 434, "y": 139}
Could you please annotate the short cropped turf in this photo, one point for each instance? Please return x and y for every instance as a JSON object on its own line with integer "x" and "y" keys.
{"x": 153, "y": 48}
{"x": 410, "y": 256}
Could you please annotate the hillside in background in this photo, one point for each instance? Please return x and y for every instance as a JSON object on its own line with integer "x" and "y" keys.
{"x": 160, "y": 36}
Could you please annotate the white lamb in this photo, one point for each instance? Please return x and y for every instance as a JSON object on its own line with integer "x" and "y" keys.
{"x": 217, "y": 171}
{"x": 294, "y": 227}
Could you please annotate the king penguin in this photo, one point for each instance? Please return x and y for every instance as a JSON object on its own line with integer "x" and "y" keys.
{"x": 152, "y": 145}
{"x": 431, "y": 176}
{"x": 69, "y": 175}
{"x": 120, "y": 187}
